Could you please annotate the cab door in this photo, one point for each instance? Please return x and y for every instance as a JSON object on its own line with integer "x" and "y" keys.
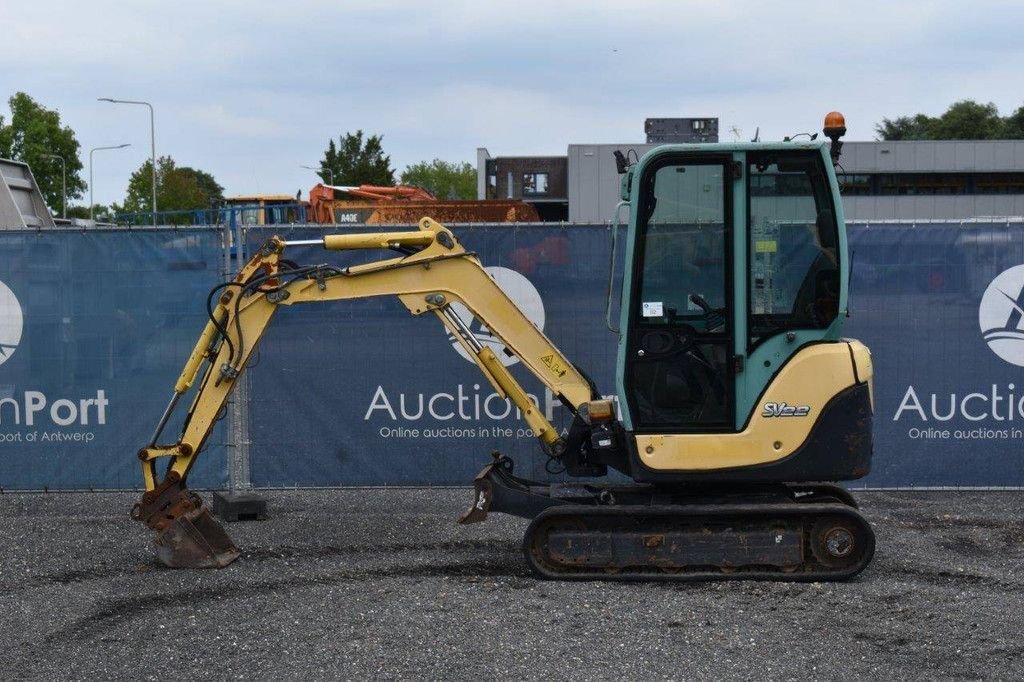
{"x": 796, "y": 253}
{"x": 679, "y": 359}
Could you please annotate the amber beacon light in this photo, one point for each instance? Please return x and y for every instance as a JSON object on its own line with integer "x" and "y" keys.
{"x": 835, "y": 127}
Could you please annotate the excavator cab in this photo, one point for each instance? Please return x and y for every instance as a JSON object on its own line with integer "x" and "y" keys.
{"x": 737, "y": 262}
{"x": 732, "y": 312}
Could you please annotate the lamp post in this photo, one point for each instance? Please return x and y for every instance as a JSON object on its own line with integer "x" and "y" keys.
{"x": 63, "y": 183}
{"x": 96, "y": 149}
{"x": 152, "y": 140}
{"x": 321, "y": 169}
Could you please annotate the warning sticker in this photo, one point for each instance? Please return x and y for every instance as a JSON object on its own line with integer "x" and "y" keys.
{"x": 554, "y": 364}
{"x": 766, "y": 246}
{"x": 653, "y": 309}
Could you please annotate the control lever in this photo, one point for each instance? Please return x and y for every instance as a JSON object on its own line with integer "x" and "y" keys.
{"x": 701, "y": 303}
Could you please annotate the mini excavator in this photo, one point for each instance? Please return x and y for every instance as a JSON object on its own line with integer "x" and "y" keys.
{"x": 739, "y": 403}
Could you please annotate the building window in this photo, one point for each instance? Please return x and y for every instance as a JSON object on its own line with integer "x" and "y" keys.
{"x": 856, "y": 185}
{"x": 999, "y": 183}
{"x": 900, "y": 184}
{"x": 491, "y": 171}
{"x": 535, "y": 183}
{"x": 923, "y": 184}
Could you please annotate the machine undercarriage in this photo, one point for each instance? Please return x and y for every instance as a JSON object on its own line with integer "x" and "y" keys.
{"x": 599, "y": 531}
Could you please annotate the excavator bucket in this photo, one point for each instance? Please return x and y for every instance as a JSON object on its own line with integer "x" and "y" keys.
{"x": 195, "y": 540}
{"x": 187, "y": 534}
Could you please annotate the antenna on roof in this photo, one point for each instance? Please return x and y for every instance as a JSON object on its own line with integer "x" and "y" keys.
{"x": 757, "y": 135}
{"x": 737, "y": 133}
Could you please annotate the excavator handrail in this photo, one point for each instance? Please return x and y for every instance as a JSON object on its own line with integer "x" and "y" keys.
{"x": 611, "y": 268}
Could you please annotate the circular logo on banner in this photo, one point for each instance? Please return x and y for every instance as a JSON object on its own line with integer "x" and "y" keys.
{"x": 1001, "y": 315}
{"x": 10, "y": 323}
{"x": 522, "y": 293}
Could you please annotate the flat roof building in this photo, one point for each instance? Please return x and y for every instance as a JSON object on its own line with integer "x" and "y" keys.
{"x": 915, "y": 180}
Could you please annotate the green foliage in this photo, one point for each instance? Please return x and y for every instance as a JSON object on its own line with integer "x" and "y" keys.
{"x": 177, "y": 188}
{"x": 101, "y": 212}
{"x": 34, "y": 132}
{"x": 904, "y": 128}
{"x": 963, "y": 120}
{"x": 443, "y": 179}
{"x": 357, "y": 162}
{"x": 1014, "y": 125}
{"x": 214, "y": 192}
{"x": 967, "y": 120}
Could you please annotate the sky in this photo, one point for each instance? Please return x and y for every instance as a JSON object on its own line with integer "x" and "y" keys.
{"x": 250, "y": 91}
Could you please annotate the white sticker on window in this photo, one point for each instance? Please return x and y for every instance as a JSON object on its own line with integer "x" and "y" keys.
{"x": 653, "y": 309}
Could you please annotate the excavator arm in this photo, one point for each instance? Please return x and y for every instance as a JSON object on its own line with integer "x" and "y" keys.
{"x": 433, "y": 272}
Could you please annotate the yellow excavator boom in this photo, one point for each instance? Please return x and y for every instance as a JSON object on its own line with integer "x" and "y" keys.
{"x": 433, "y": 273}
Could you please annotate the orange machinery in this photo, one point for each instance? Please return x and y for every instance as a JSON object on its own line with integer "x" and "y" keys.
{"x": 403, "y": 204}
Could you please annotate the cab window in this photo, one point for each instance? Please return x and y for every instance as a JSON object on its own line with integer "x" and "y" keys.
{"x": 794, "y": 254}
{"x": 679, "y": 343}
{"x": 683, "y": 271}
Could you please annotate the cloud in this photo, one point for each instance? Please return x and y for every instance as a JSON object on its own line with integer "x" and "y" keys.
{"x": 216, "y": 118}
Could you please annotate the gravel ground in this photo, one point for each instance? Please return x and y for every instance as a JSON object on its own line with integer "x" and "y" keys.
{"x": 357, "y": 584}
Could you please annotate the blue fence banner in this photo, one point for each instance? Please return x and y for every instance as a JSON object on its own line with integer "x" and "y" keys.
{"x": 94, "y": 328}
{"x": 363, "y": 393}
{"x": 940, "y": 306}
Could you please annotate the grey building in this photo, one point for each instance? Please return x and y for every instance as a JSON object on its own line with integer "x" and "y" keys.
{"x": 947, "y": 180}
{"x": 932, "y": 180}
{"x": 537, "y": 180}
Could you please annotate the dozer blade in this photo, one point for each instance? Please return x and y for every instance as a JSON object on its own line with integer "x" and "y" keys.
{"x": 195, "y": 540}
{"x": 495, "y": 489}
{"x": 482, "y": 495}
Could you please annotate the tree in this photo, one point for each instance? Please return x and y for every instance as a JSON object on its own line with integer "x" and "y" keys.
{"x": 968, "y": 120}
{"x": 357, "y": 162}
{"x": 177, "y": 189}
{"x": 443, "y": 179}
{"x": 101, "y": 213}
{"x": 1014, "y": 125}
{"x": 35, "y": 132}
{"x": 963, "y": 120}
{"x": 207, "y": 183}
{"x": 905, "y": 128}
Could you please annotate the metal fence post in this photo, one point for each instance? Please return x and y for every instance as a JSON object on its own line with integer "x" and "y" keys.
{"x": 239, "y": 478}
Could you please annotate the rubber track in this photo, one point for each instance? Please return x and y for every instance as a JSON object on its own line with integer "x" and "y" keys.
{"x": 659, "y": 519}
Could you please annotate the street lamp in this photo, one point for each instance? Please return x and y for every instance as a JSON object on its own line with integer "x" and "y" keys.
{"x": 152, "y": 140}
{"x": 63, "y": 183}
{"x": 96, "y": 149}
{"x": 321, "y": 169}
